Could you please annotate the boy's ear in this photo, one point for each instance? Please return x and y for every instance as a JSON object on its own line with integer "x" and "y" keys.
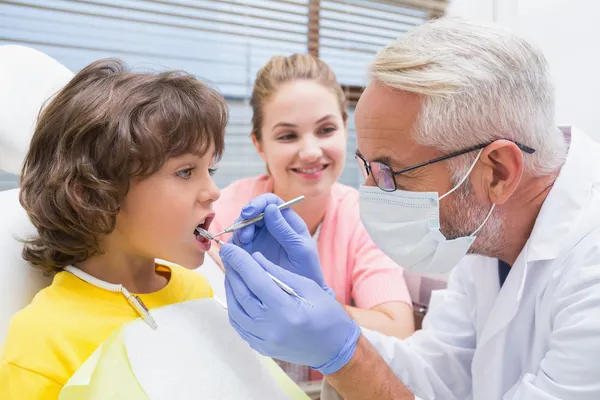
{"x": 258, "y": 145}
{"x": 75, "y": 196}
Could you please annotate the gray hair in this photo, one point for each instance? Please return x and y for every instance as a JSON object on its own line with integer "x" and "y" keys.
{"x": 479, "y": 83}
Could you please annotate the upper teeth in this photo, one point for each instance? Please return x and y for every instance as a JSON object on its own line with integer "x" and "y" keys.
{"x": 203, "y": 221}
{"x": 311, "y": 170}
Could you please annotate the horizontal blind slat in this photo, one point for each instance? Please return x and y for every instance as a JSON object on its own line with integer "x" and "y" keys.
{"x": 351, "y": 32}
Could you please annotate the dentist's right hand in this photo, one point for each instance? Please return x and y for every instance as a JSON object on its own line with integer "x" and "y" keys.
{"x": 282, "y": 237}
{"x": 320, "y": 335}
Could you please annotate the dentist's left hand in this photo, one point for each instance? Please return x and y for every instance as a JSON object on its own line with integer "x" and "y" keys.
{"x": 280, "y": 326}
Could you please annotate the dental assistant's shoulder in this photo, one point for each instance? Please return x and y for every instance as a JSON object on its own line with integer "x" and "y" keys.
{"x": 345, "y": 200}
{"x": 344, "y": 192}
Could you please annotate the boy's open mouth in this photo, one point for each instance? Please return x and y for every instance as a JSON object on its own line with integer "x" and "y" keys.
{"x": 204, "y": 224}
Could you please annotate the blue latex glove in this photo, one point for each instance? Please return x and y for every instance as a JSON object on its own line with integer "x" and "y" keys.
{"x": 282, "y": 237}
{"x": 280, "y": 326}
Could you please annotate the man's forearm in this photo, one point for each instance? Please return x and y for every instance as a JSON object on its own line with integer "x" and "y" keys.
{"x": 391, "y": 319}
{"x": 367, "y": 376}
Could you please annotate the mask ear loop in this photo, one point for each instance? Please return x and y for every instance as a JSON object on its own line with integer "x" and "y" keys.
{"x": 465, "y": 177}
{"x": 489, "y": 214}
{"x": 485, "y": 220}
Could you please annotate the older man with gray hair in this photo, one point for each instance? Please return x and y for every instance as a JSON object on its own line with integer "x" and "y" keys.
{"x": 459, "y": 149}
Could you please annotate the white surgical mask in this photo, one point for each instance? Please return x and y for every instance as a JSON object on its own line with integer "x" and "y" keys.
{"x": 406, "y": 227}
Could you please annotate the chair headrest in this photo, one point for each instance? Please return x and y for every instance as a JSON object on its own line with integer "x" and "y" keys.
{"x": 28, "y": 78}
{"x": 19, "y": 282}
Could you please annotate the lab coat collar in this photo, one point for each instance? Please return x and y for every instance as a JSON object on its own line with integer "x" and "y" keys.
{"x": 570, "y": 192}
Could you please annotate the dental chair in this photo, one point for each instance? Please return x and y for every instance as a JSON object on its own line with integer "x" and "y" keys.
{"x": 27, "y": 79}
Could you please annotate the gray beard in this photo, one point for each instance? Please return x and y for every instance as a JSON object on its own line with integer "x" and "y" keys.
{"x": 464, "y": 217}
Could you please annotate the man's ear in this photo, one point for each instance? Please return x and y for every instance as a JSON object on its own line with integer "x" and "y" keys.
{"x": 258, "y": 145}
{"x": 505, "y": 165}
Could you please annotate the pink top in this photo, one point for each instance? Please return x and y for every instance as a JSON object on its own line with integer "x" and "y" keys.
{"x": 357, "y": 271}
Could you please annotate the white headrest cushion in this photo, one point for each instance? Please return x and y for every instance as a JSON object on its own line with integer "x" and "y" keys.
{"x": 28, "y": 78}
{"x": 19, "y": 282}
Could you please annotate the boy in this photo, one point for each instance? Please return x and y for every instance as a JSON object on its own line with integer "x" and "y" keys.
{"x": 118, "y": 174}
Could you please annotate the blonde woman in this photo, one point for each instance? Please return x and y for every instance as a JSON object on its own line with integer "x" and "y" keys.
{"x": 299, "y": 129}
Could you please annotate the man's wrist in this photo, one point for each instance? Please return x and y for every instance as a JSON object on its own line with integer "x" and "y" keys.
{"x": 356, "y": 358}
{"x": 346, "y": 353}
{"x": 367, "y": 376}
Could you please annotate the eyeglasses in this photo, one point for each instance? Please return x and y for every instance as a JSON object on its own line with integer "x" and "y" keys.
{"x": 383, "y": 174}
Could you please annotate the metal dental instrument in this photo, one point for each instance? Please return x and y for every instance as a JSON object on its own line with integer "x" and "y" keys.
{"x": 246, "y": 222}
{"x": 282, "y": 285}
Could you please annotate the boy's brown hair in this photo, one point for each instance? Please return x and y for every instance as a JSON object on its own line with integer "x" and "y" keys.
{"x": 105, "y": 128}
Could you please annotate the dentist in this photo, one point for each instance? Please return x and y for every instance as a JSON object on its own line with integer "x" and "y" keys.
{"x": 457, "y": 143}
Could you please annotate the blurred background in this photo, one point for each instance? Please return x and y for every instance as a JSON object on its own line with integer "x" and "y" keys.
{"x": 225, "y": 42}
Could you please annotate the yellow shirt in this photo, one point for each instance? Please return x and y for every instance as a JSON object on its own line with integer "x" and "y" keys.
{"x": 51, "y": 338}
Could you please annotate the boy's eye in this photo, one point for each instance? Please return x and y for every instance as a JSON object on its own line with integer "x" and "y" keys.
{"x": 185, "y": 173}
{"x": 212, "y": 171}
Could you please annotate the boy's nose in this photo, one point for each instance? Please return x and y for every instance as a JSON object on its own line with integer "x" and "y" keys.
{"x": 211, "y": 193}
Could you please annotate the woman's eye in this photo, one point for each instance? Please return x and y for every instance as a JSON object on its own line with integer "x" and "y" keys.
{"x": 212, "y": 171}
{"x": 287, "y": 137}
{"x": 328, "y": 130}
{"x": 185, "y": 173}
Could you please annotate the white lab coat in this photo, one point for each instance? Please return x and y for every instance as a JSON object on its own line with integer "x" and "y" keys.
{"x": 538, "y": 337}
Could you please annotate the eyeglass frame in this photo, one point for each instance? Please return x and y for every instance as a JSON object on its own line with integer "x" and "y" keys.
{"x": 523, "y": 147}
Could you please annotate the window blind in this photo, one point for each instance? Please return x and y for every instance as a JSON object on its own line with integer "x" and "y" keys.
{"x": 224, "y": 42}
{"x": 347, "y": 34}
